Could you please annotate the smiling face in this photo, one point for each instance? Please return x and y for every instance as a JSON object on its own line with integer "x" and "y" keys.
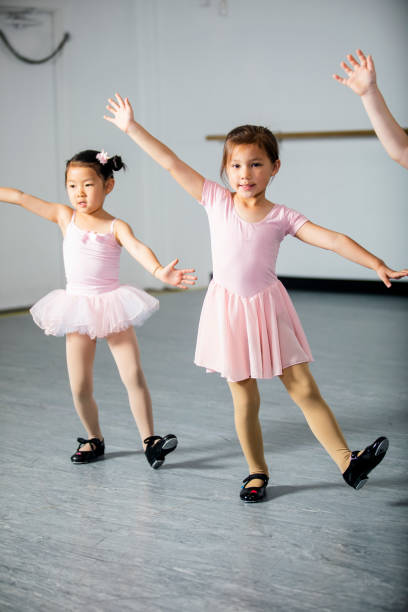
{"x": 86, "y": 189}
{"x": 249, "y": 170}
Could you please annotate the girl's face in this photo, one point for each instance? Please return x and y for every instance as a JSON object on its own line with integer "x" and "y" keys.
{"x": 249, "y": 170}
{"x": 86, "y": 189}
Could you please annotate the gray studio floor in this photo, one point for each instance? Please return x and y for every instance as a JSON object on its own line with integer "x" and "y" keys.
{"x": 117, "y": 535}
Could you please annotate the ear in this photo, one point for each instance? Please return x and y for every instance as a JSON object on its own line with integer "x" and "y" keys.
{"x": 276, "y": 167}
{"x": 109, "y": 185}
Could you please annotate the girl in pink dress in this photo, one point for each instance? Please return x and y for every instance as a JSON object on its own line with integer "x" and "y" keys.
{"x": 248, "y": 327}
{"x": 94, "y": 304}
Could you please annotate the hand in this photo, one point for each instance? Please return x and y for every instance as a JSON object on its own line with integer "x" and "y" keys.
{"x": 361, "y": 77}
{"x": 122, "y": 112}
{"x": 386, "y": 273}
{"x": 178, "y": 278}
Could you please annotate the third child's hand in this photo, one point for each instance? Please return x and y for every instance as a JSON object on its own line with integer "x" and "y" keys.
{"x": 361, "y": 76}
{"x": 122, "y": 112}
{"x": 178, "y": 278}
{"x": 386, "y": 274}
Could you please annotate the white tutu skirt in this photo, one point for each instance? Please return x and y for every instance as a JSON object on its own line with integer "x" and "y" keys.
{"x": 59, "y": 313}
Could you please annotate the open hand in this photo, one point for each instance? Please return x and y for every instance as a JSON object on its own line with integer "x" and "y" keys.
{"x": 178, "y": 278}
{"x": 122, "y": 112}
{"x": 361, "y": 76}
{"x": 386, "y": 274}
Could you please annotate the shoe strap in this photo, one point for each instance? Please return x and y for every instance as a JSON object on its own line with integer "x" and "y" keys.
{"x": 92, "y": 441}
{"x": 151, "y": 439}
{"x": 263, "y": 477}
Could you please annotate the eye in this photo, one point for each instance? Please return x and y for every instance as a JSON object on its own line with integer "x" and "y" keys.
{"x": 256, "y": 164}
{"x": 235, "y": 165}
{"x": 89, "y": 185}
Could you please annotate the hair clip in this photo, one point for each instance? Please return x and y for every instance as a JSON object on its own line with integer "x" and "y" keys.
{"x": 102, "y": 157}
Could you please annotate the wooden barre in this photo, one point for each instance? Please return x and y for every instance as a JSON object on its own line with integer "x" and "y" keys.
{"x": 312, "y": 135}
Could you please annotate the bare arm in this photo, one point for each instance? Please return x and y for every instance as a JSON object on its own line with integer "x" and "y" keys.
{"x": 57, "y": 213}
{"x": 349, "y": 249}
{"x": 123, "y": 118}
{"x": 145, "y": 256}
{"x": 361, "y": 78}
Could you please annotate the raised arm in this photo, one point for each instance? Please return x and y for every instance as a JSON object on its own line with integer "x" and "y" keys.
{"x": 123, "y": 118}
{"x": 57, "y": 213}
{"x": 145, "y": 256}
{"x": 349, "y": 249}
{"x": 361, "y": 78}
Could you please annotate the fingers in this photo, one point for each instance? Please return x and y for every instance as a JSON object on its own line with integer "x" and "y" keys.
{"x": 370, "y": 63}
{"x": 113, "y": 104}
{"x": 111, "y": 110}
{"x": 383, "y": 276}
{"x": 346, "y": 68}
{"x": 119, "y": 99}
{"x": 397, "y": 274}
{"x": 361, "y": 56}
{"x": 353, "y": 61}
{"x": 338, "y": 78}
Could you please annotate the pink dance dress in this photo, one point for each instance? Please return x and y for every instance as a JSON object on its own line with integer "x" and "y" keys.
{"x": 248, "y": 326}
{"x": 93, "y": 303}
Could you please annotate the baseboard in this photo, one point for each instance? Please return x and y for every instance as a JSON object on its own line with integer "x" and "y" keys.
{"x": 340, "y": 285}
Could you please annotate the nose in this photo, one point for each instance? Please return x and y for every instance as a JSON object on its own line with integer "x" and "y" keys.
{"x": 245, "y": 172}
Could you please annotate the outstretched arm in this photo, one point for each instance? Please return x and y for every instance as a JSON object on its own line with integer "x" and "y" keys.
{"x": 361, "y": 78}
{"x": 57, "y": 213}
{"x": 123, "y": 118}
{"x": 349, "y": 249}
{"x": 145, "y": 256}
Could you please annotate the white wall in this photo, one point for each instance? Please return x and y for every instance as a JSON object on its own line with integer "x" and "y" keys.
{"x": 191, "y": 72}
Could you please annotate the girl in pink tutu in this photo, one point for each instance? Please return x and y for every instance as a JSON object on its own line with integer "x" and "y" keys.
{"x": 248, "y": 327}
{"x": 94, "y": 304}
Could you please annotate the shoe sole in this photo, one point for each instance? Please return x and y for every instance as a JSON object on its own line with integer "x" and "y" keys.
{"x": 168, "y": 446}
{"x": 89, "y": 461}
{"x": 380, "y": 453}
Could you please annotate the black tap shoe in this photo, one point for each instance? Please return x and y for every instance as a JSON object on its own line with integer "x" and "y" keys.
{"x": 97, "y": 452}
{"x": 253, "y": 494}
{"x": 156, "y": 451}
{"x": 357, "y": 472}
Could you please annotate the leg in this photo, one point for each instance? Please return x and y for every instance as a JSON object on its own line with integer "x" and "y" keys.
{"x": 245, "y": 396}
{"x": 125, "y": 351}
{"x": 80, "y": 360}
{"x": 304, "y": 391}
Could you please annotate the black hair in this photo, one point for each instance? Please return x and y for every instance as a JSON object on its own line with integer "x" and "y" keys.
{"x": 89, "y": 158}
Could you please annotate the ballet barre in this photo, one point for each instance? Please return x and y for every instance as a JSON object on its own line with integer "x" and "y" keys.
{"x": 312, "y": 135}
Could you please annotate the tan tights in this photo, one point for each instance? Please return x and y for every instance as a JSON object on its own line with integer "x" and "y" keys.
{"x": 125, "y": 351}
{"x": 304, "y": 391}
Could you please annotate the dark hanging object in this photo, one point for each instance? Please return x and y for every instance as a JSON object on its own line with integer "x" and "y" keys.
{"x": 27, "y": 60}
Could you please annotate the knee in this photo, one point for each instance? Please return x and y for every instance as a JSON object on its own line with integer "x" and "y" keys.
{"x": 82, "y": 392}
{"x": 132, "y": 377}
{"x": 303, "y": 390}
{"x": 247, "y": 409}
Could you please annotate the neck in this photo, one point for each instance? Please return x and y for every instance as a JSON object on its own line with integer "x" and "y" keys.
{"x": 257, "y": 200}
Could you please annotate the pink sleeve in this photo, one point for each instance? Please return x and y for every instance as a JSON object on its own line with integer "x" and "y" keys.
{"x": 212, "y": 194}
{"x": 294, "y": 221}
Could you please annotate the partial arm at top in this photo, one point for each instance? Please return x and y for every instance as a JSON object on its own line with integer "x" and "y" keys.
{"x": 123, "y": 118}
{"x": 349, "y": 249}
{"x": 52, "y": 211}
{"x": 361, "y": 78}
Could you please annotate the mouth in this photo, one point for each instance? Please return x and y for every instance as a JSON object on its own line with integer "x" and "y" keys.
{"x": 247, "y": 187}
{"x": 81, "y": 204}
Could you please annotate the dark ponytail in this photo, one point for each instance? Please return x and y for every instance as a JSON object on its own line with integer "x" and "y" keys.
{"x": 103, "y": 165}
